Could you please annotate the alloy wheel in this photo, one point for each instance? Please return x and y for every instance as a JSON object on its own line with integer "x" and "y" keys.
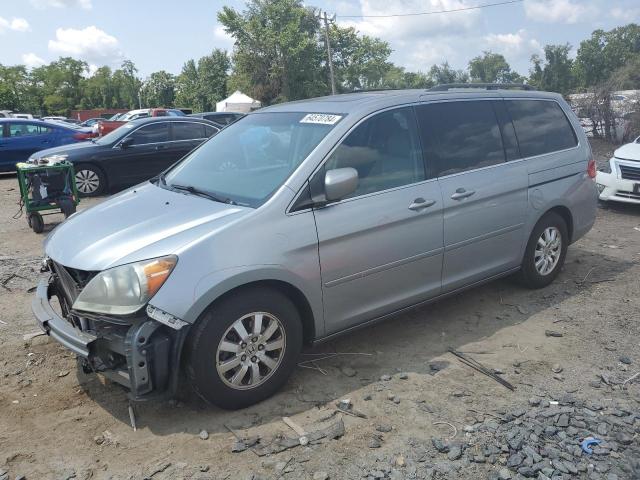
{"x": 548, "y": 250}
{"x": 87, "y": 181}
{"x": 251, "y": 350}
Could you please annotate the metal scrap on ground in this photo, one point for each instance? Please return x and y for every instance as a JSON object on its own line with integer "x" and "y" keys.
{"x": 481, "y": 368}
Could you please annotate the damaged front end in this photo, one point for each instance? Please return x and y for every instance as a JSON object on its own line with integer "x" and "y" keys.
{"x": 140, "y": 350}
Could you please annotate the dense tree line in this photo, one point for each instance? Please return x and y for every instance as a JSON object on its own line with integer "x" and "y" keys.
{"x": 279, "y": 54}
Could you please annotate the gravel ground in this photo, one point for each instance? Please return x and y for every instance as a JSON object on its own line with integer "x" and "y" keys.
{"x": 570, "y": 350}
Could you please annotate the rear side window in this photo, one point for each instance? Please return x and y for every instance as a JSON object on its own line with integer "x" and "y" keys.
{"x": 27, "y": 130}
{"x": 460, "y": 136}
{"x": 385, "y": 150}
{"x": 188, "y": 131}
{"x": 541, "y": 127}
{"x": 209, "y": 131}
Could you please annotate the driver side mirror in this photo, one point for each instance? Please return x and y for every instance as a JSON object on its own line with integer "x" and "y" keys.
{"x": 126, "y": 143}
{"x": 340, "y": 183}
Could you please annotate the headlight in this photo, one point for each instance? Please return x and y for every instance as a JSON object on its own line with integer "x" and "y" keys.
{"x": 124, "y": 290}
{"x": 606, "y": 168}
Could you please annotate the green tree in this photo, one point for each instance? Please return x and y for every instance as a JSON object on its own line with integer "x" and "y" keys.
{"x": 360, "y": 62}
{"x": 158, "y": 90}
{"x": 14, "y": 87}
{"x": 98, "y": 90}
{"x": 443, "y": 73}
{"x": 201, "y": 86}
{"x": 491, "y": 68}
{"x": 213, "y": 74}
{"x": 126, "y": 86}
{"x": 277, "y": 53}
{"x": 59, "y": 85}
{"x": 397, "y": 77}
{"x": 187, "y": 94}
{"x": 605, "y": 52}
{"x": 555, "y": 73}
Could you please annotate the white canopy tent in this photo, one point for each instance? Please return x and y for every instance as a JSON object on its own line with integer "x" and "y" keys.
{"x": 238, "y": 102}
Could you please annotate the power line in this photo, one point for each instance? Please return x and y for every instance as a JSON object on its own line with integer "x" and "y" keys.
{"x": 476, "y": 7}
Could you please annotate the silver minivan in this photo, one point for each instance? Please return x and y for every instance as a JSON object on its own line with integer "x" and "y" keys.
{"x": 305, "y": 220}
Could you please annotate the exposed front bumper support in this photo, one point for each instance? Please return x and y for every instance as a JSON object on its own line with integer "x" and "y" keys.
{"x": 143, "y": 356}
{"x": 57, "y": 327}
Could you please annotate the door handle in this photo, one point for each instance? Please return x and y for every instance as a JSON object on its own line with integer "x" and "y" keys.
{"x": 160, "y": 147}
{"x": 462, "y": 193}
{"x": 420, "y": 203}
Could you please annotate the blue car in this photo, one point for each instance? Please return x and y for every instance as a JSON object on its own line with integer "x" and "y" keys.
{"x": 19, "y": 138}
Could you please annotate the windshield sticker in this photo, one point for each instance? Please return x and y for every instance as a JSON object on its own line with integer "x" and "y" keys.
{"x": 321, "y": 118}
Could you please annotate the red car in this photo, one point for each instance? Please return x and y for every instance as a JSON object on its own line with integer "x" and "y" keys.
{"x": 106, "y": 126}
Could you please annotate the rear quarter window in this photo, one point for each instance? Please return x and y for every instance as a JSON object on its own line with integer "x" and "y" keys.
{"x": 541, "y": 127}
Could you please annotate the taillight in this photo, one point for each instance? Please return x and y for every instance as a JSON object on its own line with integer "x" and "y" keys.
{"x": 591, "y": 168}
{"x": 82, "y": 136}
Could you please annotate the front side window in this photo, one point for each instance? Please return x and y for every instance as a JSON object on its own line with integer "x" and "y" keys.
{"x": 248, "y": 160}
{"x": 541, "y": 127}
{"x": 385, "y": 150}
{"x": 27, "y": 129}
{"x": 153, "y": 133}
{"x": 460, "y": 136}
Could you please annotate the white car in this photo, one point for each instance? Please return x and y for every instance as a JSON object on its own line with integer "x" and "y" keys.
{"x": 619, "y": 179}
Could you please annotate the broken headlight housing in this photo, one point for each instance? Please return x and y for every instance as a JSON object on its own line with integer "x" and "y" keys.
{"x": 125, "y": 289}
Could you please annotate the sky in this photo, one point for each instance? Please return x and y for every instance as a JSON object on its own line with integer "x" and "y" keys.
{"x": 163, "y": 34}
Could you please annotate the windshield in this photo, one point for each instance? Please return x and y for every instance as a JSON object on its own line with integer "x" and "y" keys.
{"x": 248, "y": 160}
{"x": 115, "y": 135}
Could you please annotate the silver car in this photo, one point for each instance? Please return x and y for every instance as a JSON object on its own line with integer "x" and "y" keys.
{"x": 305, "y": 220}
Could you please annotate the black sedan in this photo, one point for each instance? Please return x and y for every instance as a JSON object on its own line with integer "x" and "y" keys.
{"x": 221, "y": 118}
{"x": 132, "y": 153}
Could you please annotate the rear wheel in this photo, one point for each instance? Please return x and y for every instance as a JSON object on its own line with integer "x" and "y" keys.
{"x": 90, "y": 180}
{"x": 244, "y": 348}
{"x": 545, "y": 252}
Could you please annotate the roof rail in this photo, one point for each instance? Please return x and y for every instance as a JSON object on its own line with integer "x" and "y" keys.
{"x": 487, "y": 86}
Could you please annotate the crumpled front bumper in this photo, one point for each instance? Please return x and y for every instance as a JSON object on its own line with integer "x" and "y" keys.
{"x": 143, "y": 355}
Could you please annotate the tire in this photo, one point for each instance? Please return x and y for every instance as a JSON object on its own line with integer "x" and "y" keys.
{"x": 90, "y": 180}
{"x": 206, "y": 355}
{"x": 540, "y": 276}
{"x": 36, "y": 222}
{"x": 67, "y": 206}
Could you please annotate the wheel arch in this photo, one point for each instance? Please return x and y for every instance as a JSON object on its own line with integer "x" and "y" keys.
{"x": 566, "y": 215}
{"x": 287, "y": 288}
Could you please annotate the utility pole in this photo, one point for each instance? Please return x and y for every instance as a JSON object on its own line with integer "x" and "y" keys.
{"x": 323, "y": 16}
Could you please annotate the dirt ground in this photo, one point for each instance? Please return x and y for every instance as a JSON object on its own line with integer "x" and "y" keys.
{"x": 58, "y": 424}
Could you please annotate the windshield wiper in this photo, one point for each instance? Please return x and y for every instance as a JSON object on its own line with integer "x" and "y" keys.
{"x": 161, "y": 179}
{"x": 202, "y": 193}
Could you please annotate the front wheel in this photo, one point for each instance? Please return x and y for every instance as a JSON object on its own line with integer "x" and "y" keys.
{"x": 244, "y": 348}
{"x": 545, "y": 252}
{"x": 36, "y": 222}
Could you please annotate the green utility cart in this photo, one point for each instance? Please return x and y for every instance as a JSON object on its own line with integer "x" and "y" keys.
{"x": 47, "y": 188}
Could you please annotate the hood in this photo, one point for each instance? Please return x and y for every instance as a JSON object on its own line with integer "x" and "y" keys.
{"x": 630, "y": 151}
{"x": 68, "y": 149}
{"x": 141, "y": 223}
